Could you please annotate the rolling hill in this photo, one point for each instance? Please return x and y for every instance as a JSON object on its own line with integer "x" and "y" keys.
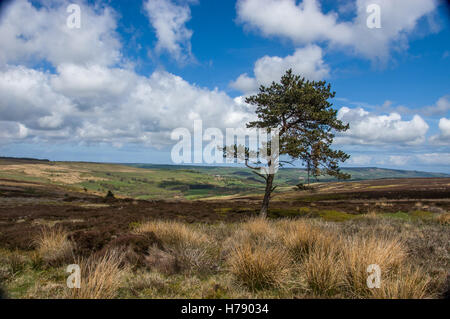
{"x": 149, "y": 181}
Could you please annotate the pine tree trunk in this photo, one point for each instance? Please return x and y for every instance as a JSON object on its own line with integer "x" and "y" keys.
{"x": 268, "y": 191}
{"x": 307, "y": 169}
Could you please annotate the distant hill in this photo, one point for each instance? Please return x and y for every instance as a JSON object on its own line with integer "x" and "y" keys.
{"x": 149, "y": 181}
{"x": 293, "y": 176}
{"x": 359, "y": 173}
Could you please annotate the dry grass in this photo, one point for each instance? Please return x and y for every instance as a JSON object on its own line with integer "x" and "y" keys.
{"x": 301, "y": 236}
{"x": 53, "y": 247}
{"x": 261, "y": 258}
{"x": 408, "y": 283}
{"x": 360, "y": 252}
{"x": 16, "y": 262}
{"x": 322, "y": 269}
{"x": 101, "y": 277}
{"x": 255, "y": 232}
{"x": 259, "y": 267}
{"x": 172, "y": 233}
{"x": 443, "y": 219}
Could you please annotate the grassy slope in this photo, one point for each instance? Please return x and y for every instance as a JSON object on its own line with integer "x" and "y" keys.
{"x": 144, "y": 181}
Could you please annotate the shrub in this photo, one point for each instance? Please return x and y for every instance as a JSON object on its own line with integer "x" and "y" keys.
{"x": 133, "y": 247}
{"x": 185, "y": 248}
{"x": 162, "y": 261}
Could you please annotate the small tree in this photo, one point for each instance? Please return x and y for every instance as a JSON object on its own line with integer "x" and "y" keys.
{"x": 301, "y": 112}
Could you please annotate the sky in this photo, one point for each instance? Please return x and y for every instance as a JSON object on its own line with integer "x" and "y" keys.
{"x": 114, "y": 87}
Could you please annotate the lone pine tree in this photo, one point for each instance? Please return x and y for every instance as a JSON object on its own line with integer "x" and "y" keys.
{"x": 306, "y": 123}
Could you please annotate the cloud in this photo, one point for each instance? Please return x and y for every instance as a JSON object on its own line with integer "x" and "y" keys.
{"x": 306, "y": 23}
{"x": 434, "y": 158}
{"x": 28, "y": 98}
{"x": 444, "y": 126}
{"x": 29, "y": 35}
{"x": 442, "y": 107}
{"x": 113, "y": 105}
{"x": 89, "y": 96}
{"x": 399, "y": 160}
{"x": 367, "y": 128}
{"x": 169, "y": 21}
{"x": 444, "y": 137}
{"x": 12, "y": 131}
{"x": 360, "y": 160}
{"x": 307, "y": 62}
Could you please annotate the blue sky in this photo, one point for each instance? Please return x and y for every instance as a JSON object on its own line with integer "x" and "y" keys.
{"x": 114, "y": 89}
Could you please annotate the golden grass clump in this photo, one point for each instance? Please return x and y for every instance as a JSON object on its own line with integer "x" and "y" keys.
{"x": 322, "y": 269}
{"x": 443, "y": 219}
{"x": 257, "y": 227}
{"x": 259, "y": 267}
{"x": 101, "y": 276}
{"x": 254, "y": 232}
{"x": 405, "y": 284}
{"x": 360, "y": 252}
{"x": 173, "y": 233}
{"x": 53, "y": 246}
{"x": 300, "y": 237}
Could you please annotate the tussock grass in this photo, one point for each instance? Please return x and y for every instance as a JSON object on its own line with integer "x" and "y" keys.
{"x": 53, "y": 246}
{"x": 101, "y": 277}
{"x": 323, "y": 269}
{"x": 300, "y": 236}
{"x": 172, "y": 233}
{"x": 259, "y": 267}
{"x": 408, "y": 283}
{"x": 258, "y": 258}
{"x": 16, "y": 262}
{"x": 443, "y": 219}
{"x": 359, "y": 252}
{"x": 256, "y": 231}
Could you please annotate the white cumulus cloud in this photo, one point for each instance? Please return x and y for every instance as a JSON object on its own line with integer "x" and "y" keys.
{"x": 169, "y": 21}
{"x": 444, "y": 136}
{"x": 307, "y": 62}
{"x": 30, "y": 34}
{"x": 90, "y": 96}
{"x": 113, "y": 105}
{"x": 305, "y": 22}
{"x": 368, "y": 128}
